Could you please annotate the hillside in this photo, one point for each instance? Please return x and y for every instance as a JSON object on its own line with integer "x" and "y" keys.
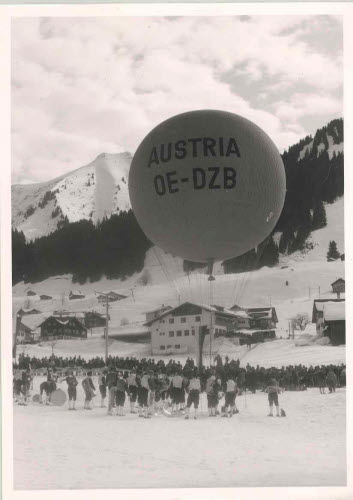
{"x": 92, "y": 192}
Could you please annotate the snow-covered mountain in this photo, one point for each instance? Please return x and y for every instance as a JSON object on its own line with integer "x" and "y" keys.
{"x": 328, "y": 138}
{"x": 90, "y": 192}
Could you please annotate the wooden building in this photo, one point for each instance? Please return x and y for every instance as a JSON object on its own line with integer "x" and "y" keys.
{"x": 112, "y": 297}
{"x": 27, "y": 312}
{"x": 155, "y": 313}
{"x": 335, "y": 322}
{"x": 260, "y": 317}
{"x": 338, "y": 287}
{"x": 76, "y": 294}
{"x": 45, "y": 297}
{"x": 93, "y": 319}
{"x": 54, "y": 328}
{"x": 176, "y": 330}
{"x": 28, "y": 328}
{"x": 318, "y": 313}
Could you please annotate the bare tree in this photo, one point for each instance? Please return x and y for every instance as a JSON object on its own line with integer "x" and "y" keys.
{"x": 52, "y": 344}
{"x": 300, "y": 321}
{"x": 145, "y": 278}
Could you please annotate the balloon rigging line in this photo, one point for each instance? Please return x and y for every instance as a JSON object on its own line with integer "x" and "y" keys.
{"x": 164, "y": 270}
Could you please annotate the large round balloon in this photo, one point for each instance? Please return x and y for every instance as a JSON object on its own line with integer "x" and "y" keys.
{"x": 207, "y": 185}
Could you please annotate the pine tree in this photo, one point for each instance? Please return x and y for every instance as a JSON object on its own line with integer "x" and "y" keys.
{"x": 332, "y": 253}
{"x": 319, "y": 216}
{"x": 269, "y": 254}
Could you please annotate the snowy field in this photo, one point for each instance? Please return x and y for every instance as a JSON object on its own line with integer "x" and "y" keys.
{"x": 59, "y": 449}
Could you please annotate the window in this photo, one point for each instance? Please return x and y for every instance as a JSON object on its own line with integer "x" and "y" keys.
{"x": 171, "y": 334}
{"x": 169, "y": 346}
{"x": 161, "y": 333}
{"x": 171, "y": 320}
{"x": 177, "y": 346}
{"x": 179, "y": 333}
{"x": 198, "y": 318}
{"x": 186, "y": 333}
{"x": 183, "y": 320}
{"x": 162, "y": 347}
{"x": 193, "y": 332}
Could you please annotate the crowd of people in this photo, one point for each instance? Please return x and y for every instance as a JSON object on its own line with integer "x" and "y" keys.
{"x": 156, "y": 387}
{"x": 292, "y": 377}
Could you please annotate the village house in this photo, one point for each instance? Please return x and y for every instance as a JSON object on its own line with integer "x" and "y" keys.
{"x": 258, "y": 317}
{"x": 93, "y": 319}
{"x": 112, "y": 297}
{"x": 28, "y": 327}
{"x": 150, "y": 315}
{"x": 43, "y": 296}
{"x": 334, "y": 322}
{"x": 338, "y": 287}
{"x": 76, "y": 294}
{"x": 176, "y": 330}
{"x": 133, "y": 332}
{"x": 318, "y": 313}
{"x": 55, "y": 328}
{"x": 65, "y": 315}
{"x": 25, "y": 312}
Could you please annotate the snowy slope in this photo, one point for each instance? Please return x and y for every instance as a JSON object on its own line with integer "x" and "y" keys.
{"x": 90, "y": 192}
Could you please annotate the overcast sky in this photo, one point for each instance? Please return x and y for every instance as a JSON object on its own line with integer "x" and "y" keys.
{"x": 83, "y": 86}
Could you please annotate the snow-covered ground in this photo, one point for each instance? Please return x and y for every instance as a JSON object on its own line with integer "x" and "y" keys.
{"x": 59, "y": 449}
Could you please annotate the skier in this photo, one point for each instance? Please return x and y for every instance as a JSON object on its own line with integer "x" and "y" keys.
{"x": 71, "y": 381}
{"x": 194, "y": 389}
{"x": 176, "y": 391}
{"x": 89, "y": 388}
{"x": 319, "y": 379}
{"x": 102, "y": 383}
{"x": 162, "y": 386}
{"x": 212, "y": 388}
{"x": 230, "y": 395}
{"x": 26, "y": 384}
{"x": 331, "y": 381}
{"x": 121, "y": 388}
{"x": 273, "y": 390}
{"x": 143, "y": 393}
{"x": 132, "y": 389}
{"x": 110, "y": 381}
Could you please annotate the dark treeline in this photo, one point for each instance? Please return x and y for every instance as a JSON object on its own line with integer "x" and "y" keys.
{"x": 115, "y": 247}
{"x": 312, "y": 181}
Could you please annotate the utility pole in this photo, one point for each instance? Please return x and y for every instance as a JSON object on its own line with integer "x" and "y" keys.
{"x": 106, "y": 329}
{"x": 309, "y": 292}
{"x": 319, "y": 292}
{"x": 132, "y": 293}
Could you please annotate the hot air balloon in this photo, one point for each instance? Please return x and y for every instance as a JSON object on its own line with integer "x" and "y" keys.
{"x": 207, "y": 185}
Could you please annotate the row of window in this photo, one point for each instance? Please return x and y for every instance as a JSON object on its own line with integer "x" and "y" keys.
{"x": 178, "y": 333}
{"x": 163, "y": 347}
{"x": 182, "y": 320}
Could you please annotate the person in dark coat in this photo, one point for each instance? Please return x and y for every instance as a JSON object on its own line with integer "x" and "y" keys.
{"x": 331, "y": 381}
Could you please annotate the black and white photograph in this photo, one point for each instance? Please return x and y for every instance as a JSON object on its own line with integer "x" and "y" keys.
{"x": 177, "y": 250}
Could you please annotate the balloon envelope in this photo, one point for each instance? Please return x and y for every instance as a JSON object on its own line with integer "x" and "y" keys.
{"x": 207, "y": 185}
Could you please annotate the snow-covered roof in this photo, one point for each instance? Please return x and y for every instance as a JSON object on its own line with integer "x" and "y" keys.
{"x": 71, "y": 314}
{"x": 131, "y": 329}
{"x": 206, "y": 307}
{"x": 334, "y": 311}
{"x": 29, "y": 310}
{"x": 32, "y": 321}
{"x": 162, "y": 308}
